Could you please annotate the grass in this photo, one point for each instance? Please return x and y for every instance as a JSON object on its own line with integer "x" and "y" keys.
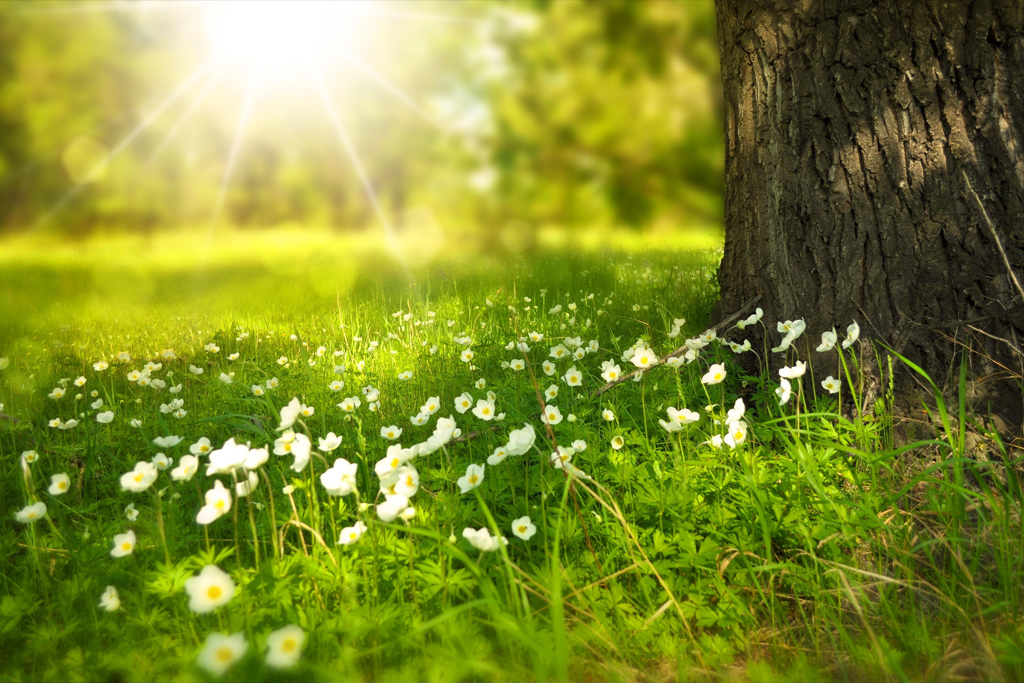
{"x": 820, "y": 548}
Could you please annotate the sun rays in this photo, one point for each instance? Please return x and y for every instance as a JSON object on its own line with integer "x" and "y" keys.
{"x": 270, "y": 44}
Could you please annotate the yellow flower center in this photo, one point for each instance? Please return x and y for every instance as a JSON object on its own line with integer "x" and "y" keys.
{"x": 126, "y": 546}
{"x": 213, "y": 592}
{"x": 472, "y": 479}
{"x": 287, "y": 446}
{"x": 224, "y": 654}
{"x": 486, "y": 411}
{"x": 395, "y": 462}
{"x": 718, "y": 375}
{"x": 138, "y": 477}
{"x": 353, "y": 535}
{"x": 391, "y": 435}
{"x": 551, "y": 416}
{"x": 219, "y": 504}
{"x": 62, "y": 485}
{"x": 203, "y": 449}
{"x": 643, "y": 359}
{"x": 522, "y": 528}
{"x": 288, "y": 645}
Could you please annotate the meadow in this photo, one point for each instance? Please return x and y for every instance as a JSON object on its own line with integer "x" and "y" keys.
{"x": 289, "y": 455}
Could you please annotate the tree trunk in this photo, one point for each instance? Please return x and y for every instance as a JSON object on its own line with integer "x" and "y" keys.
{"x": 875, "y": 172}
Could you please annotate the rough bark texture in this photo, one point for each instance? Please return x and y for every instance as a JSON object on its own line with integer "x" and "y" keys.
{"x": 855, "y": 133}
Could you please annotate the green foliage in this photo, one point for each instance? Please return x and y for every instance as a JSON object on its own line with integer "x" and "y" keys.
{"x": 530, "y": 114}
{"x": 812, "y": 551}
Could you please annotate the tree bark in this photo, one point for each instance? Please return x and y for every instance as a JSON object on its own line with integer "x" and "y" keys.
{"x": 875, "y": 172}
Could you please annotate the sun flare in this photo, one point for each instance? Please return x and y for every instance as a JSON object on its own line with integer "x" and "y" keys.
{"x": 280, "y": 40}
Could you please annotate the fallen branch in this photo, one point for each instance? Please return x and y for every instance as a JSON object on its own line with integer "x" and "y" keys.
{"x": 682, "y": 349}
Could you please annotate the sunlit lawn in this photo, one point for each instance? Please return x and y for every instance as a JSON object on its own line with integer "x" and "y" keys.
{"x": 793, "y": 548}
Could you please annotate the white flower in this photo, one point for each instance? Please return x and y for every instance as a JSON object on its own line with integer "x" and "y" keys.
{"x": 272, "y": 383}
{"x": 715, "y": 374}
{"x": 212, "y": 348}
{"x": 221, "y": 651}
{"x": 751, "y": 320}
{"x": 284, "y": 646}
{"x": 795, "y": 372}
{"x": 136, "y": 423}
{"x": 340, "y": 480}
{"x": 289, "y": 414}
{"x": 201, "y": 447}
{"x": 830, "y": 384}
{"x": 551, "y": 416}
{"x": 549, "y": 368}
{"x": 419, "y": 419}
{"x": 463, "y": 402}
{"x": 482, "y": 540}
{"x": 394, "y": 459}
{"x": 791, "y": 329}
{"x": 828, "y": 341}
{"x": 176, "y": 389}
{"x": 167, "y": 441}
{"x": 194, "y": 370}
{"x": 618, "y": 442}
{"x": 551, "y": 392}
{"x": 852, "y": 335}
{"x": 558, "y": 351}
{"x": 484, "y": 410}
{"x": 431, "y": 406}
{"x": 392, "y": 507}
{"x": 209, "y": 589}
{"x": 517, "y": 364}
{"x": 644, "y": 358}
{"x": 351, "y": 534}
{"x": 218, "y": 504}
{"x": 301, "y": 448}
{"x": 520, "y": 441}
{"x": 130, "y": 513}
{"x": 573, "y": 377}
{"x": 737, "y": 434}
{"x": 124, "y": 544}
{"x": 228, "y": 458}
{"x": 329, "y": 442}
{"x": 59, "y": 484}
{"x": 715, "y": 441}
{"x": 98, "y": 366}
{"x": 740, "y": 348}
{"x": 562, "y": 456}
{"x": 31, "y": 513}
{"x": 473, "y": 477}
{"x": 467, "y": 355}
{"x": 784, "y": 392}
{"x": 523, "y": 528}
{"x": 496, "y": 458}
{"x": 608, "y": 415}
{"x": 406, "y": 482}
{"x": 187, "y": 467}
{"x": 29, "y": 457}
{"x": 481, "y": 384}
{"x": 350, "y": 404}
{"x": 683, "y": 416}
{"x": 110, "y": 600}
{"x": 57, "y": 393}
{"x": 736, "y": 413}
{"x": 161, "y": 461}
{"x": 140, "y": 478}
{"x": 248, "y": 485}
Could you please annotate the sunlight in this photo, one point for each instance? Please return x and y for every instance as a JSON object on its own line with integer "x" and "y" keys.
{"x": 277, "y": 40}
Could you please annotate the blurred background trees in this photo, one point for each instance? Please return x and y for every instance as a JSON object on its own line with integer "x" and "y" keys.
{"x": 516, "y": 115}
